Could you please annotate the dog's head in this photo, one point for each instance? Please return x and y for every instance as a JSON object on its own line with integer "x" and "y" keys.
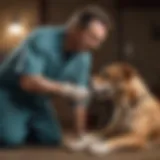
{"x": 113, "y": 79}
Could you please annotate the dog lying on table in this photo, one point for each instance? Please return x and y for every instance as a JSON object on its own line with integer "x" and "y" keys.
{"x": 137, "y": 113}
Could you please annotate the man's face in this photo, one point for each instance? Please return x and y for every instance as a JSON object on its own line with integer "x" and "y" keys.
{"x": 92, "y": 36}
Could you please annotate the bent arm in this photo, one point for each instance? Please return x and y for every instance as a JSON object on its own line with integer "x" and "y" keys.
{"x": 31, "y": 65}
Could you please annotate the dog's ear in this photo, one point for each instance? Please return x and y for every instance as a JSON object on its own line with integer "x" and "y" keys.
{"x": 128, "y": 71}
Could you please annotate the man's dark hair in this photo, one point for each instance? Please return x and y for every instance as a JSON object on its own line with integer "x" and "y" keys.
{"x": 90, "y": 13}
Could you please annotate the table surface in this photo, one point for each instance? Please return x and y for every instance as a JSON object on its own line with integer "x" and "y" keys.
{"x": 42, "y": 153}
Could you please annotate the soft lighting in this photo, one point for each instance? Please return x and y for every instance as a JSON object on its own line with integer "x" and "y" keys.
{"x": 15, "y": 29}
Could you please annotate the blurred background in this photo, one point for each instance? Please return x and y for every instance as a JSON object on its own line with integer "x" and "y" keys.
{"x": 135, "y": 38}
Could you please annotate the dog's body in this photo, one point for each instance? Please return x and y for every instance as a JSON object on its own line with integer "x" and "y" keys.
{"x": 134, "y": 107}
{"x": 137, "y": 113}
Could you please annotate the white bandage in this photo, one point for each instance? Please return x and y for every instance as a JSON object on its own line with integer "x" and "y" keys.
{"x": 75, "y": 91}
{"x": 81, "y": 143}
{"x": 99, "y": 148}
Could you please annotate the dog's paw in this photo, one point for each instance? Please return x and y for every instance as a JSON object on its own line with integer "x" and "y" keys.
{"x": 80, "y": 143}
{"x": 75, "y": 145}
{"x": 91, "y": 139}
{"x": 99, "y": 149}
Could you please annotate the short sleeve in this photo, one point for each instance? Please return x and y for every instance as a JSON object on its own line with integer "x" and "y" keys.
{"x": 31, "y": 60}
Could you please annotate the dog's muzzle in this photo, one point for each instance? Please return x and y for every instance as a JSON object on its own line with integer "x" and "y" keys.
{"x": 100, "y": 91}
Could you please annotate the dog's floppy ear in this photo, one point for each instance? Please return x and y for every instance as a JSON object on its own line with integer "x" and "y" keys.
{"x": 128, "y": 71}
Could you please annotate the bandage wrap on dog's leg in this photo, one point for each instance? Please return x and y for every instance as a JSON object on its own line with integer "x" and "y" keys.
{"x": 83, "y": 142}
{"x": 99, "y": 148}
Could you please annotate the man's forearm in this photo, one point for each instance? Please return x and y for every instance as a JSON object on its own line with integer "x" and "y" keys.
{"x": 80, "y": 114}
{"x": 38, "y": 84}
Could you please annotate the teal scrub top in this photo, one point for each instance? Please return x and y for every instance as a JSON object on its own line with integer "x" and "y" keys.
{"x": 42, "y": 53}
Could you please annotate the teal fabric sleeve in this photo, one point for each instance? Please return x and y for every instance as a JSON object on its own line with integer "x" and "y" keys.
{"x": 32, "y": 58}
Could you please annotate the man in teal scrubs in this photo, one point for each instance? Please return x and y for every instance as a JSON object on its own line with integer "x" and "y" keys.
{"x": 47, "y": 63}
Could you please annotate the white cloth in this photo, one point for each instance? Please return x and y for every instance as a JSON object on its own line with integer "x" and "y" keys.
{"x": 99, "y": 148}
{"x": 81, "y": 143}
{"x": 75, "y": 92}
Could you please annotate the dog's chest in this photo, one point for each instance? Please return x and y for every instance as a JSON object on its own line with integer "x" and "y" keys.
{"x": 128, "y": 116}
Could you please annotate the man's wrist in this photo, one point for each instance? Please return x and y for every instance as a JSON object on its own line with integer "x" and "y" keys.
{"x": 57, "y": 88}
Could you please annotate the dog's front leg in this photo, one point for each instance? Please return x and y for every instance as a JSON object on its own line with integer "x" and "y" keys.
{"x": 126, "y": 141}
{"x": 82, "y": 142}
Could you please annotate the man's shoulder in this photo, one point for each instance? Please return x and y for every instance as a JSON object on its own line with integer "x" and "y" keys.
{"x": 49, "y": 30}
{"x": 48, "y": 38}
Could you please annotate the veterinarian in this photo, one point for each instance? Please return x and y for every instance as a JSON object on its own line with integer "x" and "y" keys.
{"x": 47, "y": 63}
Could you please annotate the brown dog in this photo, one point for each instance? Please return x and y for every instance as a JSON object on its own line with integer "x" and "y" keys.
{"x": 137, "y": 114}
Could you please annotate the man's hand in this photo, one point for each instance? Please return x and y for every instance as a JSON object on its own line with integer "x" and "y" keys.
{"x": 75, "y": 92}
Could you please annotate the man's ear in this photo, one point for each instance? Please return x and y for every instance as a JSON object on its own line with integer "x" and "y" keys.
{"x": 128, "y": 71}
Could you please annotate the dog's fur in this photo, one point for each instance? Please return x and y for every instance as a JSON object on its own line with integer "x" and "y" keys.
{"x": 137, "y": 114}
